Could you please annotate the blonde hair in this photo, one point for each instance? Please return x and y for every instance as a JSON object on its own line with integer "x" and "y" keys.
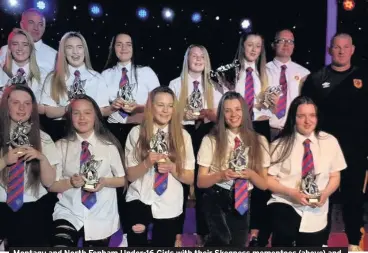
{"x": 177, "y": 152}
{"x": 34, "y": 70}
{"x": 61, "y": 71}
{"x": 206, "y": 82}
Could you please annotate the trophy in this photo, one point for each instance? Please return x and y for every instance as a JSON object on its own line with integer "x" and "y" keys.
{"x": 310, "y": 188}
{"x": 158, "y": 144}
{"x": 77, "y": 88}
{"x": 17, "y": 80}
{"x": 89, "y": 172}
{"x": 195, "y": 102}
{"x": 239, "y": 158}
{"x": 226, "y": 75}
{"x": 19, "y": 136}
{"x": 125, "y": 93}
{"x": 268, "y": 93}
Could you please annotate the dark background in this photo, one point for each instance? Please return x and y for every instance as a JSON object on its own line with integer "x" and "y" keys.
{"x": 162, "y": 44}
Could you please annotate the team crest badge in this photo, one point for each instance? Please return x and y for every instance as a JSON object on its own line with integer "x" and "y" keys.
{"x": 358, "y": 83}
{"x": 297, "y": 78}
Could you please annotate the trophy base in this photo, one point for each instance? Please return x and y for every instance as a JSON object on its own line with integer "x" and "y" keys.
{"x": 89, "y": 186}
{"x": 196, "y": 113}
{"x": 161, "y": 161}
{"x": 314, "y": 199}
{"x": 266, "y": 105}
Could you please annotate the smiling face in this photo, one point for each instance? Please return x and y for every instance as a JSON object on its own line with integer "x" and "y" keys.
{"x": 306, "y": 119}
{"x": 284, "y": 44}
{"x": 20, "y": 106}
{"x": 162, "y": 108}
{"x": 252, "y": 47}
{"x": 83, "y": 117}
{"x": 124, "y": 48}
{"x": 196, "y": 60}
{"x": 74, "y": 51}
{"x": 20, "y": 49}
{"x": 233, "y": 113}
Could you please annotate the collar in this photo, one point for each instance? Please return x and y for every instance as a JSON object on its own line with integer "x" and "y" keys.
{"x": 127, "y": 66}
{"x": 279, "y": 64}
{"x": 92, "y": 140}
{"x": 248, "y": 64}
{"x": 38, "y": 45}
{"x": 156, "y": 127}
{"x": 301, "y": 138}
{"x": 15, "y": 68}
{"x": 231, "y": 136}
{"x": 81, "y": 69}
{"x": 191, "y": 79}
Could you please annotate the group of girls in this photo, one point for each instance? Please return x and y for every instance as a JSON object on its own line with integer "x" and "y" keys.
{"x": 125, "y": 195}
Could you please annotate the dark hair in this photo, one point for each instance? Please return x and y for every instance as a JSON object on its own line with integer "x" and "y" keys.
{"x": 33, "y": 181}
{"x": 277, "y": 34}
{"x": 101, "y": 132}
{"x": 286, "y": 137}
{"x": 240, "y": 53}
{"x": 112, "y": 59}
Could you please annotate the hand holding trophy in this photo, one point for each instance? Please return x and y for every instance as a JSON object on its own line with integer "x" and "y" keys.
{"x": 239, "y": 159}
{"x": 159, "y": 145}
{"x": 268, "y": 95}
{"x": 309, "y": 187}
{"x": 19, "y": 136}
{"x": 89, "y": 173}
{"x": 195, "y": 103}
{"x": 125, "y": 93}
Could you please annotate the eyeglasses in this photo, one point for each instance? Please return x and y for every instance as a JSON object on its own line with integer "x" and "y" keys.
{"x": 284, "y": 41}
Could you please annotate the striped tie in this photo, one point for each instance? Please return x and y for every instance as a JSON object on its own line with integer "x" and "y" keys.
{"x": 249, "y": 90}
{"x": 308, "y": 164}
{"x": 88, "y": 198}
{"x": 123, "y": 81}
{"x": 20, "y": 72}
{"x": 195, "y": 84}
{"x": 160, "y": 182}
{"x": 241, "y": 189}
{"x": 76, "y": 80}
{"x": 281, "y": 105}
{"x": 15, "y": 188}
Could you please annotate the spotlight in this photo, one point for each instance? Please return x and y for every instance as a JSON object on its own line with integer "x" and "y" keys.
{"x": 13, "y": 3}
{"x": 348, "y": 5}
{"x": 95, "y": 10}
{"x": 41, "y": 5}
{"x": 142, "y": 13}
{"x": 245, "y": 24}
{"x": 196, "y": 17}
{"x": 168, "y": 14}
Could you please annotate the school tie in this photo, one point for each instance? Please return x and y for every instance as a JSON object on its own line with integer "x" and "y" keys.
{"x": 15, "y": 188}
{"x": 281, "y": 105}
{"x": 161, "y": 180}
{"x": 76, "y": 80}
{"x": 195, "y": 85}
{"x": 123, "y": 81}
{"x": 249, "y": 90}
{"x": 20, "y": 72}
{"x": 308, "y": 164}
{"x": 88, "y": 198}
{"x": 241, "y": 189}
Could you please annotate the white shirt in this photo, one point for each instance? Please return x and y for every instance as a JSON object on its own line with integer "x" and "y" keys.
{"x": 294, "y": 74}
{"x": 175, "y": 85}
{"x": 34, "y": 85}
{"x": 170, "y": 203}
{"x": 240, "y": 87}
{"x": 50, "y": 151}
{"x": 95, "y": 87}
{"x": 45, "y": 56}
{"x": 207, "y": 150}
{"x": 102, "y": 220}
{"x": 327, "y": 157}
{"x": 147, "y": 81}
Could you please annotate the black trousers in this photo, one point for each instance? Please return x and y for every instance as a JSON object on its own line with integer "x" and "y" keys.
{"x": 285, "y": 228}
{"x": 226, "y": 226}
{"x": 66, "y": 235}
{"x": 164, "y": 230}
{"x": 31, "y": 226}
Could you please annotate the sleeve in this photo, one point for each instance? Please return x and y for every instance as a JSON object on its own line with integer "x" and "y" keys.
{"x": 274, "y": 169}
{"x": 45, "y": 93}
{"x": 60, "y": 166}
{"x": 205, "y": 153}
{"x": 338, "y": 163}
{"x": 308, "y": 88}
{"x": 116, "y": 164}
{"x": 3, "y": 52}
{"x": 265, "y": 152}
{"x": 189, "y": 159}
{"x": 102, "y": 97}
{"x": 131, "y": 142}
{"x": 151, "y": 79}
{"x": 173, "y": 86}
{"x": 217, "y": 95}
{"x": 49, "y": 149}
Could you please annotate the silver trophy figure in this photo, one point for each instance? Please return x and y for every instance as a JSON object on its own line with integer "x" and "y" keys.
{"x": 19, "y": 136}
{"x": 159, "y": 145}
{"x": 310, "y": 188}
{"x": 195, "y": 102}
{"x": 267, "y": 95}
{"x": 89, "y": 173}
{"x": 125, "y": 93}
{"x": 226, "y": 75}
{"x": 239, "y": 158}
{"x": 77, "y": 88}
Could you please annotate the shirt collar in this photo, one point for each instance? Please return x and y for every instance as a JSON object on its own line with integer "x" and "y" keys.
{"x": 301, "y": 138}
{"x": 38, "y": 45}
{"x": 231, "y": 136}
{"x": 73, "y": 69}
{"x": 248, "y": 64}
{"x": 127, "y": 66}
{"x": 279, "y": 64}
{"x": 165, "y": 129}
{"x": 191, "y": 79}
{"x": 92, "y": 140}
{"x": 15, "y": 68}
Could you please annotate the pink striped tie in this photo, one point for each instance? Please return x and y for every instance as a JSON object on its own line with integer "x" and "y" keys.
{"x": 89, "y": 199}
{"x": 249, "y": 90}
{"x": 308, "y": 164}
{"x": 123, "y": 81}
{"x": 241, "y": 189}
{"x": 15, "y": 188}
{"x": 281, "y": 105}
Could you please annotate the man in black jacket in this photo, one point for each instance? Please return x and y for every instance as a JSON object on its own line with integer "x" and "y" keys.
{"x": 340, "y": 91}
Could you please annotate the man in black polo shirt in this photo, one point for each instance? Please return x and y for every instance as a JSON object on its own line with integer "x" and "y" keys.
{"x": 340, "y": 91}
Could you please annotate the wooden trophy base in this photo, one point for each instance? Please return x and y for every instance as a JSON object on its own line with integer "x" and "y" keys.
{"x": 89, "y": 186}
{"x": 314, "y": 199}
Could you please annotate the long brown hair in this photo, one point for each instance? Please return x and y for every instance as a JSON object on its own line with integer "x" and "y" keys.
{"x": 248, "y": 136}
{"x": 34, "y": 137}
{"x": 176, "y": 138}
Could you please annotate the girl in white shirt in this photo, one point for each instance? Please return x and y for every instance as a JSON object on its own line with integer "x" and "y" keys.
{"x": 73, "y": 75}
{"x": 155, "y": 194}
{"x": 21, "y": 66}
{"x": 226, "y": 208}
{"x": 25, "y": 172}
{"x": 195, "y": 82}
{"x": 91, "y": 212}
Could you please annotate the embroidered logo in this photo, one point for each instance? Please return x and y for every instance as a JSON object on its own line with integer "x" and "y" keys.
{"x": 358, "y": 83}
{"x": 326, "y": 85}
